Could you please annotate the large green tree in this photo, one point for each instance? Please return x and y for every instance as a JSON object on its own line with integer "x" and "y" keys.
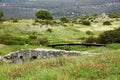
{"x": 44, "y": 15}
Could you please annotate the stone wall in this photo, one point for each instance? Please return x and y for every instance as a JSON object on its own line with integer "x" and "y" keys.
{"x": 27, "y": 55}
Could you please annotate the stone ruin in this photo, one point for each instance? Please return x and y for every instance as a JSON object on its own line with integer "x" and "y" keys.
{"x": 27, "y": 55}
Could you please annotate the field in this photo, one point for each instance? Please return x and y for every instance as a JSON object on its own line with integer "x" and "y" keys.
{"x": 101, "y": 67}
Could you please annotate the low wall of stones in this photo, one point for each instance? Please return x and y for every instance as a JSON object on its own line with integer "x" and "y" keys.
{"x": 27, "y": 55}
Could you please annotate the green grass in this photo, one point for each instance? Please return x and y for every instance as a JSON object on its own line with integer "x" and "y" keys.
{"x": 92, "y": 49}
{"x": 60, "y": 33}
{"x": 101, "y": 67}
{"x": 5, "y": 49}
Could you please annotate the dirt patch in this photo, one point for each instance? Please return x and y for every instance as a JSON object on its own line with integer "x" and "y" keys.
{"x": 1, "y": 45}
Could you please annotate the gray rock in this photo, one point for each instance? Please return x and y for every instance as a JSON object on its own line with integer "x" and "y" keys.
{"x": 27, "y": 55}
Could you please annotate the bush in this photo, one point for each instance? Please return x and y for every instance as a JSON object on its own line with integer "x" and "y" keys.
{"x": 49, "y": 30}
{"x": 15, "y": 20}
{"x": 91, "y": 39}
{"x": 112, "y": 36}
{"x": 36, "y": 20}
{"x": 64, "y": 20}
{"x": 106, "y": 23}
{"x": 89, "y": 33}
{"x": 34, "y": 42}
{"x": 87, "y": 23}
{"x": 45, "y": 22}
{"x": 34, "y": 24}
{"x": 43, "y": 41}
{"x": 33, "y": 37}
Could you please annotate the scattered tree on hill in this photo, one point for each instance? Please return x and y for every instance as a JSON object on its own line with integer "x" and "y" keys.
{"x": 64, "y": 20}
{"x": 44, "y": 15}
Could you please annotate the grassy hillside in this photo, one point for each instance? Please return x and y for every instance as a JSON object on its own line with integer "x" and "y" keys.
{"x": 28, "y": 34}
{"x": 24, "y": 33}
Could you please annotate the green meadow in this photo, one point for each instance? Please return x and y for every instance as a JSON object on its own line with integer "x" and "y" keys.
{"x": 29, "y": 34}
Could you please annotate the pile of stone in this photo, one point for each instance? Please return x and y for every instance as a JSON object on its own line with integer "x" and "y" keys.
{"x": 26, "y": 55}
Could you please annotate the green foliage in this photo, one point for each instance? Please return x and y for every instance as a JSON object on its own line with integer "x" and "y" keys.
{"x": 49, "y": 30}
{"x": 1, "y": 14}
{"x": 91, "y": 39}
{"x": 64, "y": 20}
{"x": 107, "y": 23}
{"x": 89, "y": 33}
{"x": 44, "y": 15}
{"x": 87, "y": 23}
{"x": 112, "y": 36}
{"x": 33, "y": 36}
{"x": 46, "y": 22}
{"x": 115, "y": 15}
{"x": 43, "y": 41}
{"x": 15, "y": 20}
{"x": 33, "y": 39}
{"x": 11, "y": 40}
{"x": 101, "y": 67}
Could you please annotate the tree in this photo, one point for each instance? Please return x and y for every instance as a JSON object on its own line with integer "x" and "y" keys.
{"x": 64, "y": 20}
{"x": 1, "y": 14}
{"x": 44, "y": 15}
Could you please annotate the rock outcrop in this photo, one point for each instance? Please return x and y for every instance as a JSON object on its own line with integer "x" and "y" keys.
{"x": 26, "y": 55}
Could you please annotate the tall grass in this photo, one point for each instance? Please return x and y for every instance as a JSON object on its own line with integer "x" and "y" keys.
{"x": 101, "y": 67}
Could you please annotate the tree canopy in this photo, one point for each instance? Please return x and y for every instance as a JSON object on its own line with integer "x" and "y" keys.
{"x": 44, "y": 15}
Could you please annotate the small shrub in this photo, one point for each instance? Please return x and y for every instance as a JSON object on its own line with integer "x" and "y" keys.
{"x": 106, "y": 23}
{"x": 87, "y": 23}
{"x": 64, "y": 20}
{"x": 36, "y": 20}
{"x": 89, "y": 33}
{"x": 49, "y": 30}
{"x": 34, "y": 24}
{"x": 34, "y": 42}
{"x": 33, "y": 37}
{"x": 82, "y": 38}
{"x": 48, "y": 22}
{"x": 91, "y": 39}
{"x": 43, "y": 40}
{"x": 15, "y": 20}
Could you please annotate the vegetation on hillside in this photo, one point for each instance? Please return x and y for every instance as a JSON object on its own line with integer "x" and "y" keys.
{"x": 44, "y": 15}
{"x": 103, "y": 67}
{"x": 114, "y": 15}
{"x": 17, "y": 34}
